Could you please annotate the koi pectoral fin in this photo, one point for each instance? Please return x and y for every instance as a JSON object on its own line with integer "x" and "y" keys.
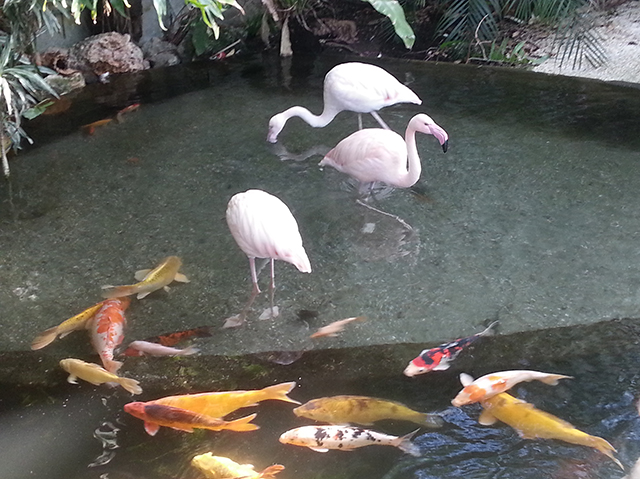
{"x": 151, "y": 428}
{"x": 486, "y": 418}
{"x": 319, "y": 449}
{"x": 141, "y": 274}
{"x": 72, "y": 379}
{"x": 181, "y": 278}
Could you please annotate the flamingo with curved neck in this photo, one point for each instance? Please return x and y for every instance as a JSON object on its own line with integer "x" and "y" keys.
{"x": 374, "y": 154}
{"x": 358, "y": 87}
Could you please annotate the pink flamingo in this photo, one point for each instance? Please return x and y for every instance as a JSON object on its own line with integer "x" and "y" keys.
{"x": 374, "y": 154}
{"x": 264, "y": 227}
{"x": 358, "y": 87}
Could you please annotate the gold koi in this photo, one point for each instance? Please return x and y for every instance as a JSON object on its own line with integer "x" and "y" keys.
{"x": 150, "y": 280}
{"x": 97, "y": 375}
{"x": 336, "y": 327}
{"x": 532, "y": 423}
{"x": 362, "y": 410}
{"x": 79, "y": 321}
{"x": 218, "y": 467}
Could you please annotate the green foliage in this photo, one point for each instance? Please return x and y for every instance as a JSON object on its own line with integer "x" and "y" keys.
{"x": 505, "y": 54}
{"x": 211, "y": 10}
{"x": 475, "y": 21}
{"x": 395, "y": 13}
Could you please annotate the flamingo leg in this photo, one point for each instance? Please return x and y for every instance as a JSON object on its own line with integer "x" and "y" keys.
{"x": 379, "y": 120}
{"x": 272, "y": 286}
{"x": 395, "y": 217}
{"x": 359, "y": 121}
{"x": 239, "y": 319}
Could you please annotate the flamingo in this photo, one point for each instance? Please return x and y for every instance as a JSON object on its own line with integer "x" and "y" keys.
{"x": 374, "y": 154}
{"x": 354, "y": 86}
{"x": 264, "y": 227}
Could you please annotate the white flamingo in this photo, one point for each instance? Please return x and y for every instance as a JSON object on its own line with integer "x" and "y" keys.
{"x": 358, "y": 87}
{"x": 374, "y": 154}
{"x": 264, "y": 227}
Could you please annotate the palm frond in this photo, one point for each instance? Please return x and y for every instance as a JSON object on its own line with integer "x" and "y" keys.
{"x": 463, "y": 17}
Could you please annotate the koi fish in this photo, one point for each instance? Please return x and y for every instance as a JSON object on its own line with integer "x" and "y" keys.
{"x": 345, "y": 438}
{"x": 439, "y": 358}
{"x": 90, "y": 129}
{"x": 334, "y": 328}
{"x": 362, "y": 410}
{"x": 94, "y": 374}
{"x": 171, "y": 339}
{"x": 79, "y": 321}
{"x": 107, "y": 331}
{"x": 150, "y": 280}
{"x": 219, "y": 404}
{"x": 125, "y": 110}
{"x": 496, "y": 383}
{"x": 157, "y": 415}
{"x": 140, "y": 348}
{"x": 532, "y": 423}
{"x": 218, "y": 467}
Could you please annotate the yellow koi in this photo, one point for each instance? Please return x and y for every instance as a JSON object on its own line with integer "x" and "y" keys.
{"x": 97, "y": 375}
{"x": 532, "y": 423}
{"x": 150, "y": 280}
{"x": 218, "y": 467}
{"x": 79, "y": 321}
{"x": 219, "y": 404}
{"x": 362, "y": 410}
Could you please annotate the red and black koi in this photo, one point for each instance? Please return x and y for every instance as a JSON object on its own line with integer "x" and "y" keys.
{"x": 439, "y": 358}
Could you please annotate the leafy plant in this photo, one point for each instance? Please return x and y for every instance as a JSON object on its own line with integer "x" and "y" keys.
{"x": 395, "y": 13}
{"x": 474, "y": 21}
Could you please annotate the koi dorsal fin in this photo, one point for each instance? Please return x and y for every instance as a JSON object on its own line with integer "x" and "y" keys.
{"x": 465, "y": 379}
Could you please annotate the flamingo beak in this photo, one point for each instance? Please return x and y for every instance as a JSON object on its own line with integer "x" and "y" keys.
{"x": 445, "y": 146}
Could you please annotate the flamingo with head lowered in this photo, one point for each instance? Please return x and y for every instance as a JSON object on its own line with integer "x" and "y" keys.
{"x": 374, "y": 154}
{"x": 264, "y": 227}
{"x": 358, "y": 87}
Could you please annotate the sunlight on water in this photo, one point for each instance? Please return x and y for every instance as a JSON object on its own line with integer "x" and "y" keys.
{"x": 529, "y": 218}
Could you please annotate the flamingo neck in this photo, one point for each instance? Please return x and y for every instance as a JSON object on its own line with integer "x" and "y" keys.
{"x": 414, "y": 166}
{"x": 316, "y": 121}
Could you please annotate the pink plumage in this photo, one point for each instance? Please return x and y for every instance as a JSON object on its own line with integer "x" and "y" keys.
{"x": 358, "y": 87}
{"x": 374, "y": 154}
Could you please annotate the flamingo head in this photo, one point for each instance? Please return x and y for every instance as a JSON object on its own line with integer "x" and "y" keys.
{"x": 424, "y": 124}
{"x": 276, "y": 124}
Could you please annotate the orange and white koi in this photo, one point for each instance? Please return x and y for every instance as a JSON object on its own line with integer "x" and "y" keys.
{"x": 107, "y": 331}
{"x": 157, "y": 415}
{"x": 218, "y": 467}
{"x": 150, "y": 280}
{"x": 439, "y": 358}
{"x": 171, "y": 339}
{"x": 79, "y": 321}
{"x": 140, "y": 348}
{"x": 125, "y": 110}
{"x": 336, "y": 327}
{"x": 532, "y": 423}
{"x": 94, "y": 374}
{"x": 345, "y": 438}
{"x": 496, "y": 383}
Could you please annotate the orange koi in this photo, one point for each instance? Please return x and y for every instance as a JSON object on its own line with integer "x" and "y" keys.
{"x": 107, "y": 331}
{"x": 125, "y": 110}
{"x": 90, "y": 128}
{"x": 157, "y": 415}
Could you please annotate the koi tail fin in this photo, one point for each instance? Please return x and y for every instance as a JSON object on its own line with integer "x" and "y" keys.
{"x": 552, "y": 379}
{"x": 279, "y": 392}
{"x": 44, "y": 338}
{"x": 430, "y": 420}
{"x": 604, "y": 447}
{"x": 404, "y": 444}
{"x": 111, "y": 292}
{"x": 188, "y": 351}
{"x": 491, "y": 329}
{"x": 131, "y": 385}
{"x": 271, "y": 471}
{"x": 242, "y": 424}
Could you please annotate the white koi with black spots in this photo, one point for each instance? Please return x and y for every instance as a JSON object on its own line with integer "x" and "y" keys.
{"x": 345, "y": 438}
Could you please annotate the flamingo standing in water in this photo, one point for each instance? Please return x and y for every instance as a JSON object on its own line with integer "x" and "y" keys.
{"x": 358, "y": 87}
{"x": 264, "y": 227}
{"x": 374, "y": 154}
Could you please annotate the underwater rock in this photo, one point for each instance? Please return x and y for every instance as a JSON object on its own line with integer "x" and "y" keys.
{"x": 107, "y": 53}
